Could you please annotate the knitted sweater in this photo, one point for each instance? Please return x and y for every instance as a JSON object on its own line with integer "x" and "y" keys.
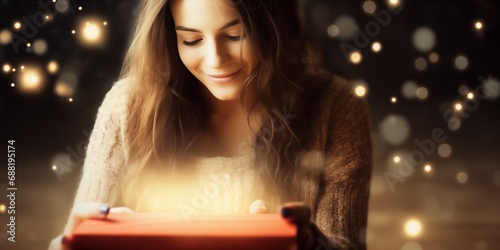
{"x": 338, "y": 160}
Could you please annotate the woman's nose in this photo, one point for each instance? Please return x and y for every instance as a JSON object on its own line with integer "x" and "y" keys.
{"x": 216, "y": 55}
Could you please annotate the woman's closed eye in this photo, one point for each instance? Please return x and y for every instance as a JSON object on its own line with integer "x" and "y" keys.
{"x": 194, "y": 42}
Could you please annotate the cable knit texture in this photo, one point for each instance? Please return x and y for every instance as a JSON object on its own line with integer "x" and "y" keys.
{"x": 338, "y": 166}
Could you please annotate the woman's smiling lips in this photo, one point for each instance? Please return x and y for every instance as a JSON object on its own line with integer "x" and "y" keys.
{"x": 224, "y": 78}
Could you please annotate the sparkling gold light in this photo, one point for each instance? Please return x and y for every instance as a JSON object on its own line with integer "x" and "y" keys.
{"x": 17, "y": 25}
{"x": 6, "y": 68}
{"x": 73, "y": 31}
{"x": 2, "y": 208}
{"x": 80, "y": 8}
{"x": 360, "y": 91}
{"x": 470, "y": 96}
{"x": 458, "y": 107}
{"x": 91, "y": 32}
{"x": 427, "y": 168}
{"x": 52, "y": 67}
{"x": 54, "y": 167}
{"x": 13, "y": 85}
{"x": 397, "y": 159}
{"x": 31, "y": 80}
{"x": 413, "y": 227}
{"x": 394, "y": 100}
{"x": 22, "y": 67}
{"x": 13, "y": 70}
{"x": 369, "y": 7}
{"x": 105, "y": 23}
{"x": 70, "y": 99}
{"x": 478, "y": 25}
{"x": 376, "y": 47}
{"x": 356, "y": 57}
{"x": 394, "y": 3}
{"x": 28, "y": 45}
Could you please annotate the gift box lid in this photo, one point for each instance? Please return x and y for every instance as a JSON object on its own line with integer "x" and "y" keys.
{"x": 173, "y": 231}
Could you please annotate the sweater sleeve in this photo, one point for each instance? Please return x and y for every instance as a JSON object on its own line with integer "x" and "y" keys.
{"x": 342, "y": 209}
{"x": 106, "y": 151}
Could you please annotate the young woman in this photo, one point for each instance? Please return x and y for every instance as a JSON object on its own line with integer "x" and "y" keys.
{"x": 222, "y": 107}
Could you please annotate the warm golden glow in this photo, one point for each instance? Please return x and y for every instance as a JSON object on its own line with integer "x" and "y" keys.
{"x": 17, "y": 25}
{"x": 413, "y": 227}
{"x": 376, "y": 47}
{"x": 470, "y": 96}
{"x": 458, "y": 107}
{"x": 52, "y": 67}
{"x": 394, "y": 100}
{"x": 31, "y": 80}
{"x": 360, "y": 91}
{"x": 6, "y": 68}
{"x": 478, "y": 25}
{"x": 397, "y": 159}
{"x": 54, "y": 167}
{"x": 5, "y": 36}
{"x": 427, "y": 168}
{"x": 2, "y": 208}
{"x": 356, "y": 57}
{"x": 91, "y": 32}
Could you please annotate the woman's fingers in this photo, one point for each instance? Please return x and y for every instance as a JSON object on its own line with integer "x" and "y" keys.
{"x": 258, "y": 207}
{"x": 81, "y": 212}
{"x": 300, "y": 215}
{"x": 296, "y": 212}
{"x": 118, "y": 210}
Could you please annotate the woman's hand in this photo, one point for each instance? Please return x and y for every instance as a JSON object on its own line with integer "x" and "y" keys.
{"x": 81, "y": 212}
{"x": 300, "y": 215}
{"x": 296, "y": 213}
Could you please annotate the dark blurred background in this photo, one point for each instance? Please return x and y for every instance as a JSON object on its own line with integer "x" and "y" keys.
{"x": 425, "y": 67}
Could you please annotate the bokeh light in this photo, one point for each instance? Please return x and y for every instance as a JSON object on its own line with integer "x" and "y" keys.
{"x": 470, "y": 95}
{"x": 411, "y": 246}
{"x": 491, "y": 88}
{"x": 17, "y": 25}
{"x": 413, "y": 227}
{"x": 424, "y": 39}
{"x": 5, "y": 37}
{"x": 6, "y": 68}
{"x": 31, "y": 80}
{"x": 462, "y": 177}
{"x": 394, "y": 99}
{"x": 434, "y": 57}
{"x": 395, "y": 129}
{"x": 393, "y": 3}
{"x": 346, "y": 26}
{"x": 422, "y": 93}
{"x": 91, "y": 32}
{"x": 360, "y": 88}
{"x": 52, "y": 67}
{"x": 461, "y": 62}
{"x": 66, "y": 85}
{"x": 478, "y": 25}
{"x": 458, "y": 106}
{"x": 463, "y": 89}
{"x": 356, "y": 57}
{"x": 420, "y": 63}
{"x": 427, "y": 168}
{"x": 40, "y": 46}
{"x": 376, "y": 47}
{"x": 444, "y": 150}
{"x": 396, "y": 159}
{"x": 409, "y": 90}
{"x": 3, "y": 208}
{"x": 454, "y": 124}
{"x": 62, "y": 5}
{"x": 369, "y": 7}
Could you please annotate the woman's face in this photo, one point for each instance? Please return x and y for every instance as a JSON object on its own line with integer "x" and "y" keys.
{"x": 211, "y": 45}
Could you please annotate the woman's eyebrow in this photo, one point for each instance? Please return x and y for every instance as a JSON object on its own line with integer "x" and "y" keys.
{"x": 230, "y": 24}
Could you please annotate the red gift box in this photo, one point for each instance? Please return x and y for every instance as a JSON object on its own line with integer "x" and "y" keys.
{"x": 171, "y": 231}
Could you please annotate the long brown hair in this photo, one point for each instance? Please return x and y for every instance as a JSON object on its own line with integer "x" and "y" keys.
{"x": 167, "y": 109}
